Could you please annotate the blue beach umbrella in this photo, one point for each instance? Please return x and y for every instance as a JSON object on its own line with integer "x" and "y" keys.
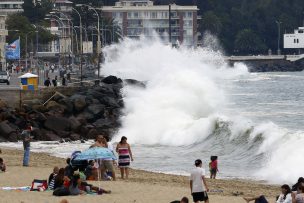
{"x": 96, "y": 153}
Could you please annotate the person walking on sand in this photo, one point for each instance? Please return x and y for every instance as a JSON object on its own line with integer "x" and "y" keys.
{"x": 124, "y": 154}
{"x": 26, "y": 137}
{"x": 198, "y": 185}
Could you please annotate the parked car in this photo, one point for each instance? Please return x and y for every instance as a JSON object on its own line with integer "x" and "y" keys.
{"x": 5, "y": 77}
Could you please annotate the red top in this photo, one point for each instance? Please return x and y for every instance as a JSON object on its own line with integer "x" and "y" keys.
{"x": 214, "y": 164}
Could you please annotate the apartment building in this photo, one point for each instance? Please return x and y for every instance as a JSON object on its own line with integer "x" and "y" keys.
{"x": 142, "y": 17}
{"x": 9, "y": 7}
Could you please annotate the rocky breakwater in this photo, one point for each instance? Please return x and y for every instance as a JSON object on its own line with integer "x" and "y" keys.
{"x": 85, "y": 114}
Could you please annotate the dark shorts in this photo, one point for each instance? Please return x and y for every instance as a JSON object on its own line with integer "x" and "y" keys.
{"x": 213, "y": 171}
{"x": 199, "y": 196}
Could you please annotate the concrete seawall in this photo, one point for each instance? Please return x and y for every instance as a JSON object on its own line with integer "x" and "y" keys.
{"x": 15, "y": 98}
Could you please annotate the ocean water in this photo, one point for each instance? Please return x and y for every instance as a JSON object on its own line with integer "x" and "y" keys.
{"x": 194, "y": 105}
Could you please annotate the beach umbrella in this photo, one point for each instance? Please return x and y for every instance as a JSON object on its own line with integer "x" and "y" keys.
{"x": 96, "y": 153}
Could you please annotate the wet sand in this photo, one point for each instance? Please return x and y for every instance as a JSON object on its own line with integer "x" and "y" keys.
{"x": 142, "y": 186}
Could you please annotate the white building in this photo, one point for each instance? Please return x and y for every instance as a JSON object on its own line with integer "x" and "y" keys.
{"x": 294, "y": 40}
{"x": 9, "y": 7}
{"x": 142, "y": 17}
{"x": 3, "y": 34}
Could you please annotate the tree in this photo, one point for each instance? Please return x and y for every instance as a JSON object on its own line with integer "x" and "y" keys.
{"x": 24, "y": 27}
{"x": 36, "y": 12}
{"x": 248, "y": 42}
{"x": 210, "y": 22}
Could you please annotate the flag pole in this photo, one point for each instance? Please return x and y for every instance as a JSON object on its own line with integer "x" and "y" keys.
{"x": 19, "y": 52}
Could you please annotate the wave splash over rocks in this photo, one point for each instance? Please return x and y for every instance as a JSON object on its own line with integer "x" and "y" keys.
{"x": 181, "y": 108}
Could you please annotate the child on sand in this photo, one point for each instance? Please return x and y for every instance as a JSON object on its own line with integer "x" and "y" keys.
{"x": 213, "y": 167}
{"x": 2, "y": 165}
{"x": 51, "y": 180}
{"x": 91, "y": 171}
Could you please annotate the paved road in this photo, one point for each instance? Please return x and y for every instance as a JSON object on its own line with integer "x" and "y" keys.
{"x": 15, "y": 81}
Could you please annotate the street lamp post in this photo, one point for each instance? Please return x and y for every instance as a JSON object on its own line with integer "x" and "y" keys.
{"x": 98, "y": 37}
{"x": 279, "y": 36}
{"x": 70, "y": 33}
{"x": 61, "y": 33}
{"x": 26, "y": 55}
{"x": 81, "y": 45}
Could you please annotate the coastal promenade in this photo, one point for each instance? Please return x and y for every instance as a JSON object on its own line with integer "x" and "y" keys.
{"x": 291, "y": 58}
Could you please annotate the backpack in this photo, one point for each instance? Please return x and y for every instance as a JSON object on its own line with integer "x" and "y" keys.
{"x": 38, "y": 185}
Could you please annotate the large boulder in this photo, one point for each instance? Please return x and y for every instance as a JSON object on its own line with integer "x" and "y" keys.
{"x": 50, "y": 136}
{"x": 87, "y": 116}
{"x": 40, "y": 108}
{"x": 52, "y": 105}
{"x": 92, "y": 134}
{"x": 109, "y": 102}
{"x": 103, "y": 123}
{"x": 3, "y": 105}
{"x": 57, "y": 124}
{"x": 68, "y": 104}
{"x": 74, "y": 137}
{"x": 13, "y": 137}
{"x": 75, "y": 124}
{"x": 96, "y": 109}
{"x": 5, "y": 129}
{"x": 79, "y": 102}
{"x": 111, "y": 80}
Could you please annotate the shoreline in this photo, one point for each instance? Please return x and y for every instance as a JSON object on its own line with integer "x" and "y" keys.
{"x": 250, "y": 179}
{"x": 143, "y": 186}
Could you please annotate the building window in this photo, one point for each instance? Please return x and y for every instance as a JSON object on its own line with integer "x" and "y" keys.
{"x": 189, "y": 14}
{"x": 129, "y": 15}
{"x": 154, "y": 15}
{"x": 136, "y": 15}
{"x": 297, "y": 40}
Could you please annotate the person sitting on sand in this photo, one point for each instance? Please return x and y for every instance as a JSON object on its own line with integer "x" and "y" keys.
{"x": 295, "y": 186}
{"x": 75, "y": 185}
{"x": 2, "y": 165}
{"x": 183, "y": 200}
{"x": 91, "y": 171}
{"x": 60, "y": 179}
{"x": 298, "y": 197}
{"x": 285, "y": 196}
{"x": 69, "y": 169}
{"x": 84, "y": 186}
{"x": 51, "y": 180}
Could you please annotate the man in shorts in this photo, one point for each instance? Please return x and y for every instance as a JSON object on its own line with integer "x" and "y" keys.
{"x": 198, "y": 184}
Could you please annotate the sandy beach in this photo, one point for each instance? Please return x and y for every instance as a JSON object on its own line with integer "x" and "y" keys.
{"x": 142, "y": 187}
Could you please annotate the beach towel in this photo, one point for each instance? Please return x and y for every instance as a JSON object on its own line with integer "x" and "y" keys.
{"x": 25, "y": 188}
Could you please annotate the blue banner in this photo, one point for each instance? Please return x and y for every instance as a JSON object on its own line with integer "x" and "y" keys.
{"x": 12, "y": 51}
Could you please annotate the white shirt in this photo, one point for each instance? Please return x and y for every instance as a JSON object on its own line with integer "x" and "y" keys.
{"x": 197, "y": 179}
{"x": 288, "y": 199}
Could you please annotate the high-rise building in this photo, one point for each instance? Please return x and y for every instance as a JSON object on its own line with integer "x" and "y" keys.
{"x": 142, "y": 17}
{"x": 9, "y": 7}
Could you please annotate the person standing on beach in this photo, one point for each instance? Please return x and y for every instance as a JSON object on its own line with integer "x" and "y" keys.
{"x": 198, "y": 185}
{"x": 26, "y": 137}
{"x": 124, "y": 154}
{"x": 213, "y": 167}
